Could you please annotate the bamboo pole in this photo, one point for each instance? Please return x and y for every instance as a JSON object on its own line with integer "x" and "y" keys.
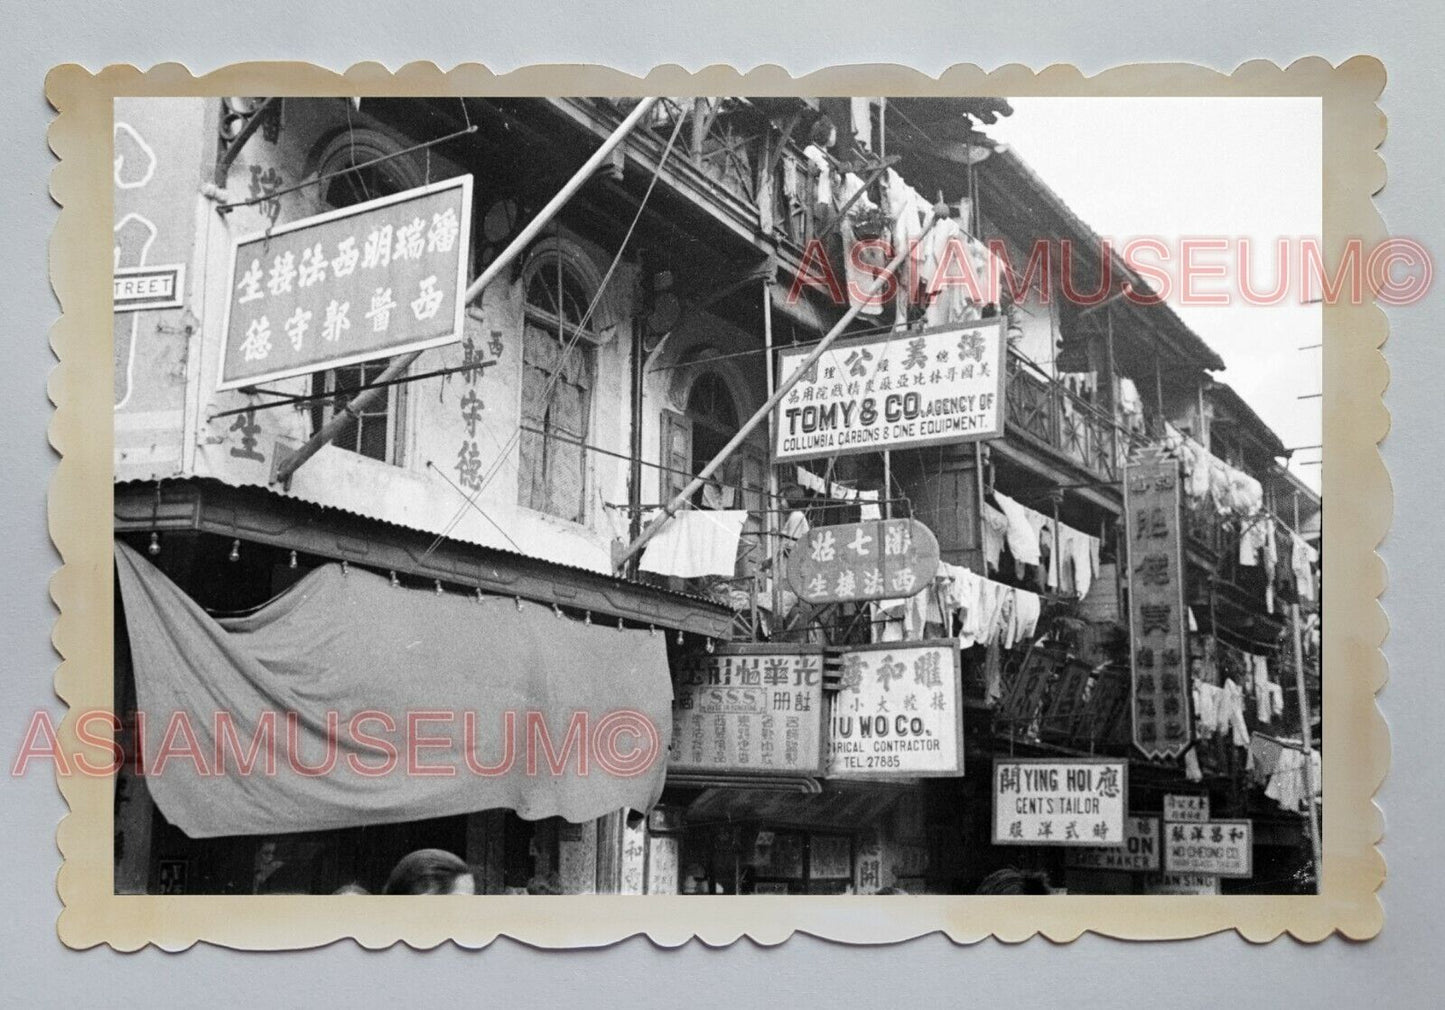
{"x": 1306, "y": 737}
{"x": 288, "y": 465}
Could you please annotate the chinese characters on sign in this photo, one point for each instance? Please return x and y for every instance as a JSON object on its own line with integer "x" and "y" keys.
{"x": 1139, "y": 853}
{"x": 662, "y": 860}
{"x": 1215, "y": 848}
{"x": 373, "y": 280}
{"x": 904, "y": 389}
{"x": 749, "y": 709}
{"x": 1076, "y": 802}
{"x": 898, "y": 712}
{"x": 1191, "y": 808}
{"x": 879, "y": 560}
{"x": 1158, "y": 625}
{"x": 1180, "y": 883}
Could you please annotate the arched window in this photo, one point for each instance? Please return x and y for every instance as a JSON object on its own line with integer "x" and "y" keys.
{"x": 559, "y": 367}
{"x": 378, "y": 431}
{"x": 692, "y": 439}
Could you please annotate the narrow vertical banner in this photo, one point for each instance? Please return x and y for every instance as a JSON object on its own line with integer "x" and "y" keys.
{"x": 1158, "y": 627}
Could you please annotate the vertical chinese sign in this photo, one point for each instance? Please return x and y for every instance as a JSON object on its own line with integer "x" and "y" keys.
{"x": 751, "y": 709}
{"x": 381, "y": 278}
{"x": 1158, "y": 622}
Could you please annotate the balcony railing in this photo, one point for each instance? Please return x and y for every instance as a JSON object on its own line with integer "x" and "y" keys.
{"x": 1047, "y": 413}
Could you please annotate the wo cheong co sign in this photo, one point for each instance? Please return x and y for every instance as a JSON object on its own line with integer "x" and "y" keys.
{"x": 377, "y": 279}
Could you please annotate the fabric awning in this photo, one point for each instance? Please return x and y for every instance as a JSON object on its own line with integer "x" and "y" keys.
{"x": 838, "y": 808}
{"x": 423, "y": 665}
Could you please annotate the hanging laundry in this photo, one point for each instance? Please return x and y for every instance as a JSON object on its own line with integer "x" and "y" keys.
{"x": 1263, "y": 700}
{"x": 1192, "y": 771}
{"x": 1287, "y": 785}
{"x": 695, "y": 543}
{"x": 822, "y": 167}
{"x": 1023, "y": 541}
{"x": 1302, "y": 559}
{"x": 1253, "y": 538}
{"x": 961, "y": 595}
{"x": 1025, "y": 615}
{"x": 995, "y": 531}
{"x": 1206, "y": 709}
{"x": 862, "y": 264}
{"x": 1231, "y": 714}
{"x": 869, "y": 511}
{"x": 903, "y": 208}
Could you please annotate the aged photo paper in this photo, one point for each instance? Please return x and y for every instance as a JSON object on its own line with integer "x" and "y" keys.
{"x": 566, "y": 505}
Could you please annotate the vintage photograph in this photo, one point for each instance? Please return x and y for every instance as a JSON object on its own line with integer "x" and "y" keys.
{"x": 717, "y": 495}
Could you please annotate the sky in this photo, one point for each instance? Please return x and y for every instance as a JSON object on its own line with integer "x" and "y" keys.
{"x": 1229, "y": 167}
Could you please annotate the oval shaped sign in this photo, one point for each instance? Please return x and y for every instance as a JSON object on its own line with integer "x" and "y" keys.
{"x": 881, "y": 559}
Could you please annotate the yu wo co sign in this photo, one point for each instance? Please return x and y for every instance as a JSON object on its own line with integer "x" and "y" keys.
{"x": 904, "y": 389}
{"x": 380, "y": 278}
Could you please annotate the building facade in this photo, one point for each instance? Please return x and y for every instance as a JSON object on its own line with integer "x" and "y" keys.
{"x": 611, "y": 359}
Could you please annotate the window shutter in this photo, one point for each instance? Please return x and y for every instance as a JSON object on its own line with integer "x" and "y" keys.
{"x": 676, "y": 455}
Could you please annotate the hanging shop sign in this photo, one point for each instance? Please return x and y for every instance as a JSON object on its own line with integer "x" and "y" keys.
{"x": 1075, "y": 802}
{"x": 746, "y": 708}
{"x": 380, "y": 278}
{"x": 1138, "y": 854}
{"x": 1190, "y": 808}
{"x": 1158, "y": 625}
{"x": 877, "y": 560}
{"x": 158, "y": 287}
{"x": 901, "y": 390}
{"x": 898, "y": 711}
{"x": 1216, "y": 848}
{"x": 1180, "y": 883}
{"x": 830, "y": 857}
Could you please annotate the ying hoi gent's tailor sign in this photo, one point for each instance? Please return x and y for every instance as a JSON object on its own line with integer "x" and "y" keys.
{"x": 380, "y": 278}
{"x": 1068, "y": 801}
{"x": 1158, "y": 622}
{"x": 749, "y": 708}
{"x": 900, "y": 390}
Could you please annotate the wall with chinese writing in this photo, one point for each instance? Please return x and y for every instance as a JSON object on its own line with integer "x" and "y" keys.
{"x": 158, "y": 156}
{"x": 447, "y": 438}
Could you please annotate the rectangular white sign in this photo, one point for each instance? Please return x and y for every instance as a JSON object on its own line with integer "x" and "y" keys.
{"x": 899, "y": 711}
{"x": 1139, "y": 853}
{"x": 903, "y": 389}
{"x": 1216, "y": 848}
{"x": 1191, "y": 808}
{"x": 1044, "y": 801}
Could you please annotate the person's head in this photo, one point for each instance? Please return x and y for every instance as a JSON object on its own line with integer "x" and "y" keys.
{"x": 431, "y": 871}
{"x": 694, "y": 879}
{"x": 891, "y": 890}
{"x": 352, "y": 888}
{"x": 1011, "y": 881}
{"x": 823, "y": 134}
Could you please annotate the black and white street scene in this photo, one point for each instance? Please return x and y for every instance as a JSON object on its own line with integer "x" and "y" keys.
{"x": 718, "y": 495}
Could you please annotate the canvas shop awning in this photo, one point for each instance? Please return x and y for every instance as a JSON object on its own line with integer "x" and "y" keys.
{"x": 349, "y": 642}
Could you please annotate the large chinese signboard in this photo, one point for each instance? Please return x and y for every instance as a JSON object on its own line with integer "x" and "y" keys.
{"x": 1214, "y": 848}
{"x": 380, "y": 278}
{"x": 877, "y": 560}
{"x": 898, "y": 711}
{"x": 905, "y": 389}
{"x": 1076, "y": 801}
{"x": 1158, "y": 623}
{"x": 749, "y": 709}
{"x": 1138, "y": 854}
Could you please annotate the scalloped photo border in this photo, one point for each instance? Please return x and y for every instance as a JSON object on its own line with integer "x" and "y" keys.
{"x": 1355, "y": 485}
